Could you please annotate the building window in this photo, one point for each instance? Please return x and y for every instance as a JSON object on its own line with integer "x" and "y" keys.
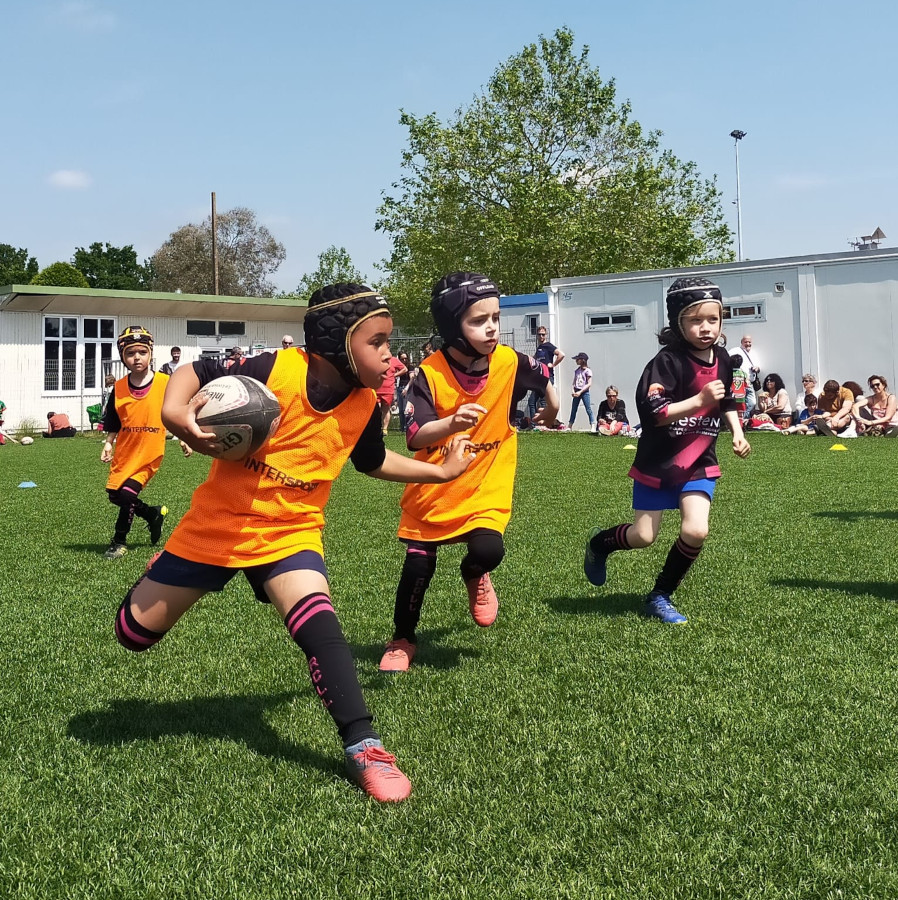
{"x": 211, "y": 328}
{"x": 67, "y": 370}
{"x": 618, "y": 320}
{"x": 744, "y": 312}
{"x": 532, "y": 325}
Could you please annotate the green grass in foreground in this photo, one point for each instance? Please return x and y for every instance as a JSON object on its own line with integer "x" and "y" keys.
{"x": 572, "y": 750}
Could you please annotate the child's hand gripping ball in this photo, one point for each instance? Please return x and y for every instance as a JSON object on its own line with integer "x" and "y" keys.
{"x": 243, "y": 412}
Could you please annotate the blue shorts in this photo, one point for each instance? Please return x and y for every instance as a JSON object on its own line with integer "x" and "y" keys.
{"x": 649, "y": 498}
{"x": 179, "y": 572}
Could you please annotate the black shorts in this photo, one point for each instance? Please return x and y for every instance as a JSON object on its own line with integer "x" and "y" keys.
{"x": 179, "y": 572}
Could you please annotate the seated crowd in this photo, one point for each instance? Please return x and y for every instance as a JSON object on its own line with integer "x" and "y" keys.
{"x": 839, "y": 409}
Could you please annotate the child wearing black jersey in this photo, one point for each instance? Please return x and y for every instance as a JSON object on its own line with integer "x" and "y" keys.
{"x": 682, "y": 395}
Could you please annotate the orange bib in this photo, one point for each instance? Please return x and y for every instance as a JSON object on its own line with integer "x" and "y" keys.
{"x": 271, "y": 505}
{"x": 481, "y": 497}
{"x": 140, "y": 444}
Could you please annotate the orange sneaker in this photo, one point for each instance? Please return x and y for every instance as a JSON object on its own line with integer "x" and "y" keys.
{"x": 482, "y": 600}
{"x": 398, "y": 657}
{"x": 375, "y": 771}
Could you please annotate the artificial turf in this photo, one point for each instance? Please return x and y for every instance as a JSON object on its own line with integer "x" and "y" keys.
{"x": 574, "y": 749}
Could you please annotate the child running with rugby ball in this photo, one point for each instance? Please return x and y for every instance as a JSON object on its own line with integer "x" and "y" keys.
{"x": 135, "y": 442}
{"x": 681, "y": 397}
{"x": 264, "y": 515}
{"x": 471, "y": 385}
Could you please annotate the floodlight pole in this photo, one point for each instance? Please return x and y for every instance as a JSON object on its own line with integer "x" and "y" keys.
{"x": 214, "y": 247}
{"x": 737, "y": 136}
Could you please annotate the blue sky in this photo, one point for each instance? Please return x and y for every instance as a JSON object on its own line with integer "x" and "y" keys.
{"x": 123, "y": 116}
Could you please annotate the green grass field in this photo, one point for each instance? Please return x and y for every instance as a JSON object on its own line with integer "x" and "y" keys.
{"x": 572, "y": 750}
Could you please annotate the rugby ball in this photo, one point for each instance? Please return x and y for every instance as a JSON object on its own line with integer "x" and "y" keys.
{"x": 243, "y": 412}
{"x": 26, "y": 440}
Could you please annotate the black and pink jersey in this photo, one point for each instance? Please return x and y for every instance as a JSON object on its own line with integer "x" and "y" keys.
{"x": 670, "y": 455}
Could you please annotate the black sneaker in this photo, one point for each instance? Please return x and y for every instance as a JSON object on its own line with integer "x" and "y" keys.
{"x": 115, "y": 550}
{"x": 157, "y": 523}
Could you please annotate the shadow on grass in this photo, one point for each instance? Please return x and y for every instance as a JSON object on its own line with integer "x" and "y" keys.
{"x": 885, "y": 590}
{"x": 239, "y": 718}
{"x": 432, "y": 652}
{"x": 102, "y": 548}
{"x": 602, "y": 605}
{"x": 854, "y": 515}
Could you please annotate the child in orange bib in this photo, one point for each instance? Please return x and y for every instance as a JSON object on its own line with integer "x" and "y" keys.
{"x": 472, "y": 385}
{"x": 135, "y": 438}
{"x": 263, "y": 515}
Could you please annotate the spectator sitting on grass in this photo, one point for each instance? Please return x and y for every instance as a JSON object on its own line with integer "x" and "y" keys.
{"x": 777, "y": 405}
{"x": 58, "y": 426}
{"x": 879, "y": 415}
{"x": 805, "y": 423}
{"x": 834, "y": 411}
{"x": 612, "y": 416}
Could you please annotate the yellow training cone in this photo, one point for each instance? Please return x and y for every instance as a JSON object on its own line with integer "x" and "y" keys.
{"x": 629, "y": 446}
{"x": 838, "y": 447}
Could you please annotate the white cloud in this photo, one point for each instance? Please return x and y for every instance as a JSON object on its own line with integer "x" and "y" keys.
{"x": 69, "y": 180}
{"x": 85, "y": 16}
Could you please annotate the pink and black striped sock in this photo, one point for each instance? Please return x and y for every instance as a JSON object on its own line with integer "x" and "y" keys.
{"x": 314, "y": 627}
{"x": 611, "y": 539}
{"x": 130, "y": 633}
{"x": 679, "y": 561}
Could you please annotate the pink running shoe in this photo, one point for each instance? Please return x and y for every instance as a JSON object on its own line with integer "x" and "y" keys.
{"x": 375, "y": 771}
{"x": 398, "y": 657}
{"x": 482, "y": 600}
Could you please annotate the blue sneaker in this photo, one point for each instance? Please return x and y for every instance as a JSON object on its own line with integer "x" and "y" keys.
{"x": 594, "y": 563}
{"x": 658, "y": 606}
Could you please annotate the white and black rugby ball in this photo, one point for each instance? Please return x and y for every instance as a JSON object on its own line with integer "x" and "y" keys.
{"x": 242, "y": 412}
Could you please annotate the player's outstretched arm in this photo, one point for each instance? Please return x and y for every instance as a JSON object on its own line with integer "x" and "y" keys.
{"x": 463, "y": 419}
{"x": 404, "y": 469}
{"x": 179, "y": 409}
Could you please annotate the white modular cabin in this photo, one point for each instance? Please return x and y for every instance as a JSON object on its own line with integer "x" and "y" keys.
{"x": 834, "y": 315}
{"x": 57, "y": 344}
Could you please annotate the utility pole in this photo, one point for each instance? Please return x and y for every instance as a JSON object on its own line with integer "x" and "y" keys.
{"x": 737, "y": 136}
{"x": 215, "y": 247}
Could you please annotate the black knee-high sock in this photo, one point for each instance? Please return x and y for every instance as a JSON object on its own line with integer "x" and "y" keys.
{"x": 129, "y": 505}
{"x": 313, "y": 625}
{"x": 417, "y": 570}
{"x": 611, "y": 539}
{"x": 485, "y": 552}
{"x": 678, "y": 562}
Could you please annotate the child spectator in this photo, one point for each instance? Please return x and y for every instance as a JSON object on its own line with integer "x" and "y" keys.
{"x": 681, "y": 397}
{"x": 472, "y": 385}
{"x": 739, "y": 388}
{"x": 580, "y": 390}
{"x": 135, "y": 438}
{"x": 386, "y": 393}
{"x": 265, "y": 515}
{"x": 805, "y": 423}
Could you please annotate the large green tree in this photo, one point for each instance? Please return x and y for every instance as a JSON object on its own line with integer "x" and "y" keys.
{"x": 543, "y": 175}
{"x": 60, "y": 274}
{"x": 334, "y": 265}
{"x": 247, "y": 255}
{"x": 16, "y": 266}
{"x": 112, "y": 268}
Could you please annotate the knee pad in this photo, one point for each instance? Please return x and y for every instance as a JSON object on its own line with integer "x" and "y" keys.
{"x": 130, "y": 633}
{"x": 486, "y": 550}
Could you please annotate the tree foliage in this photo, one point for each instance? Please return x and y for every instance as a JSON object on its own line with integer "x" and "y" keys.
{"x": 334, "y": 265}
{"x": 16, "y": 266}
{"x": 247, "y": 255}
{"x": 112, "y": 268}
{"x": 544, "y": 175}
{"x": 60, "y": 274}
